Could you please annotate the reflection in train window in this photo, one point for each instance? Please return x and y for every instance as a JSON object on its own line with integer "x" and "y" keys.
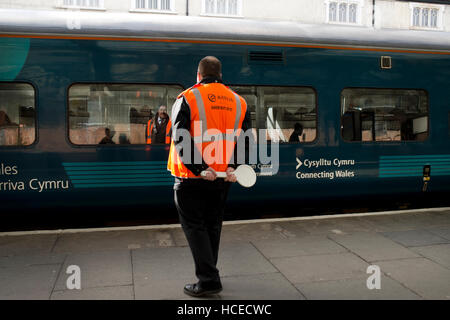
{"x": 17, "y": 114}
{"x": 286, "y": 114}
{"x": 116, "y": 113}
{"x": 384, "y": 115}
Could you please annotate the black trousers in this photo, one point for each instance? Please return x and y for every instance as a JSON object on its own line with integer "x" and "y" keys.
{"x": 201, "y": 209}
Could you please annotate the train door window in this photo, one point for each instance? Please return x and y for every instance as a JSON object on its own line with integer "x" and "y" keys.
{"x": 118, "y": 113}
{"x": 17, "y": 114}
{"x": 289, "y": 113}
{"x": 384, "y": 114}
{"x": 250, "y": 96}
{"x": 285, "y": 114}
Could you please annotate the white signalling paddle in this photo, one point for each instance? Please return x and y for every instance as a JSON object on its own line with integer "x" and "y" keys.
{"x": 245, "y": 175}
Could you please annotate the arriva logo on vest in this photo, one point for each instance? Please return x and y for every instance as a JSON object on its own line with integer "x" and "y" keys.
{"x": 218, "y": 147}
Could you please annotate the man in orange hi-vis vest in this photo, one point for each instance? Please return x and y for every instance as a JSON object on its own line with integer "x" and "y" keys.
{"x": 207, "y": 120}
{"x": 159, "y": 128}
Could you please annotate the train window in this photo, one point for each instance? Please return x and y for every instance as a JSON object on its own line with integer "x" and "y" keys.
{"x": 117, "y": 113}
{"x": 250, "y": 96}
{"x": 17, "y": 114}
{"x": 286, "y": 114}
{"x": 384, "y": 114}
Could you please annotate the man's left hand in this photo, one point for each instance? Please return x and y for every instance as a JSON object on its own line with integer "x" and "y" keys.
{"x": 230, "y": 175}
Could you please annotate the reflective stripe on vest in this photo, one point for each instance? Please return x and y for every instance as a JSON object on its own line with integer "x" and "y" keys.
{"x": 217, "y": 146}
{"x": 202, "y": 117}
{"x": 149, "y": 131}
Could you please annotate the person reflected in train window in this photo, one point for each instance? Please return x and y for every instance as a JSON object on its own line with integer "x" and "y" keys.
{"x": 298, "y": 131}
{"x": 107, "y": 139}
{"x": 159, "y": 129}
{"x": 134, "y": 115}
{"x": 4, "y": 119}
{"x": 123, "y": 139}
{"x": 406, "y": 130}
{"x": 146, "y": 111}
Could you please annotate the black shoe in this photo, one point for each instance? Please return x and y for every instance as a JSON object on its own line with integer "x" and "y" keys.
{"x": 195, "y": 290}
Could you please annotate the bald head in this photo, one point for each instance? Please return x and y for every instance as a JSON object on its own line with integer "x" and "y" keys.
{"x": 210, "y": 67}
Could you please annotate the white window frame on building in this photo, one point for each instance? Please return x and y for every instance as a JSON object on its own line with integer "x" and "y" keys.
{"x": 153, "y": 6}
{"x": 81, "y": 4}
{"x": 222, "y": 8}
{"x": 426, "y": 16}
{"x": 344, "y": 16}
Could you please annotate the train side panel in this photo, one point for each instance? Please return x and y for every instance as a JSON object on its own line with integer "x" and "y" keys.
{"x": 51, "y": 66}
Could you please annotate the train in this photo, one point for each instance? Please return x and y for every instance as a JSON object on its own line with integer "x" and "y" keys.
{"x": 372, "y": 106}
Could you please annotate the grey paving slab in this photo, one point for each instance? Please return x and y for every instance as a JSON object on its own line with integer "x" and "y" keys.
{"x": 99, "y": 269}
{"x": 308, "y": 245}
{"x": 161, "y": 273}
{"x": 336, "y": 226}
{"x": 415, "y": 238}
{"x": 438, "y": 253}
{"x": 402, "y": 222}
{"x": 440, "y": 218}
{"x": 325, "y": 226}
{"x": 426, "y": 219}
{"x": 32, "y": 259}
{"x": 373, "y": 246}
{"x": 424, "y": 277}
{"x": 101, "y": 293}
{"x": 443, "y": 232}
{"x": 28, "y": 282}
{"x": 29, "y": 244}
{"x": 157, "y": 288}
{"x": 242, "y": 258}
{"x": 321, "y": 267}
{"x": 253, "y": 231}
{"x": 162, "y": 263}
{"x": 179, "y": 237}
{"x": 356, "y": 289}
{"x": 168, "y": 263}
{"x": 113, "y": 240}
{"x": 323, "y": 257}
{"x": 272, "y": 286}
{"x": 291, "y": 229}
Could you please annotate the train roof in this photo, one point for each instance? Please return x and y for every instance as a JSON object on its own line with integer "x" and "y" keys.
{"x": 164, "y": 26}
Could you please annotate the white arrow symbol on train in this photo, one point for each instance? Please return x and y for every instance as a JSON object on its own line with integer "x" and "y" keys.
{"x": 299, "y": 164}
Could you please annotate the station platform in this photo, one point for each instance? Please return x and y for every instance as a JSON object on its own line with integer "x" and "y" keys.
{"x": 323, "y": 257}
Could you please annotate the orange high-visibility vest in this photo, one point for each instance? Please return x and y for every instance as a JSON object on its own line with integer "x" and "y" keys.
{"x": 150, "y": 129}
{"x": 215, "y": 111}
